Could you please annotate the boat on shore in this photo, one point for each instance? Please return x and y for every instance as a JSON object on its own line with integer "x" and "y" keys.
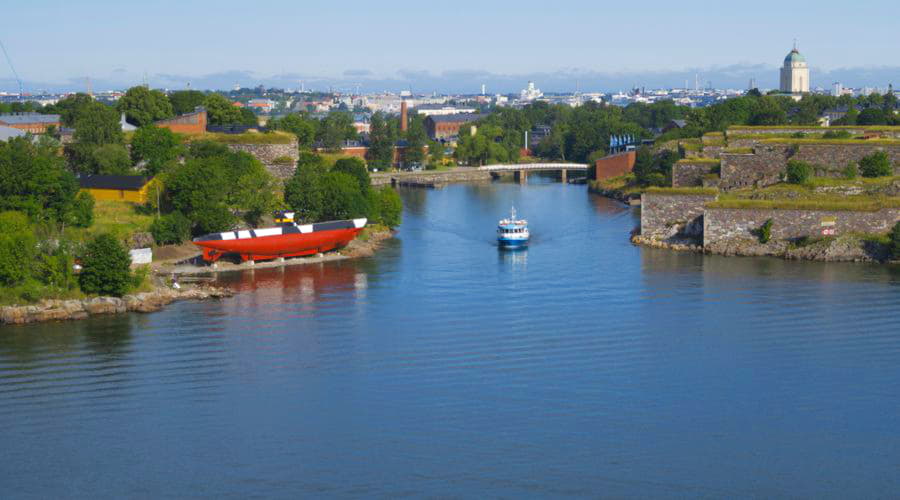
{"x": 287, "y": 239}
{"x": 513, "y": 232}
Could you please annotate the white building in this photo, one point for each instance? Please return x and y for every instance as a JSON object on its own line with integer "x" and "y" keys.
{"x": 795, "y": 74}
{"x": 531, "y": 93}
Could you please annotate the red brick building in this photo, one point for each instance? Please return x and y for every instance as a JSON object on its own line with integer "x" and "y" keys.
{"x": 615, "y": 165}
{"x": 35, "y": 123}
{"x": 447, "y": 126}
{"x": 190, "y": 123}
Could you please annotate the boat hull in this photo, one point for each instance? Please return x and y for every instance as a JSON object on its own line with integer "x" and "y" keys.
{"x": 290, "y": 241}
{"x": 512, "y": 243}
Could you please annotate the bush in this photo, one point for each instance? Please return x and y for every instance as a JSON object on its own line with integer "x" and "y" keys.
{"x": 283, "y": 160}
{"x": 156, "y": 146}
{"x": 850, "y": 171}
{"x": 798, "y": 135}
{"x": 111, "y": 159}
{"x": 389, "y": 207}
{"x": 765, "y": 231}
{"x": 105, "y": 267}
{"x": 341, "y": 197}
{"x": 356, "y": 168}
{"x": 17, "y": 248}
{"x": 83, "y": 210}
{"x": 837, "y": 134}
{"x": 798, "y": 172}
{"x": 895, "y": 241}
{"x": 171, "y": 229}
{"x": 877, "y": 164}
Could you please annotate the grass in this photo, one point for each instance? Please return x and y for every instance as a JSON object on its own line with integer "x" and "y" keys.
{"x": 245, "y": 138}
{"x": 859, "y": 181}
{"x": 626, "y": 184}
{"x": 367, "y": 231}
{"x": 118, "y": 218}
{"x": 697, "y": 159}
{"x": 739, "y": 151}
{"x": 803, "y": 197}
{"x": 892, "y": 128}
{"x": 332, "y": 158}
{"x": 682, "y": 191}
{"x": 833, "y": 142}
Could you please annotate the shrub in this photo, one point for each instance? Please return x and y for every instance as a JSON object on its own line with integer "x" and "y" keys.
{"x": 356, "y": 168}
{"x": 798, "y": 172}
{"x": 850, "y": 171}
{"x": 765, "y": 231}
{"x": 283, "y": 160}
{"x": 83, "y": 210}
{"x": 111, "y": 159}
{"x": 105, "y": 267}
{"x": 877, "y": 164}
{"x": 798, "y": 135}
{"x": 895, "y": 241}
{"x": 837, "y": 134}
{"x": 17, "y": 248}
{"x": 171, "y": 229}
{"x": 390, "y": 207}
{"x": 155, "y": 145}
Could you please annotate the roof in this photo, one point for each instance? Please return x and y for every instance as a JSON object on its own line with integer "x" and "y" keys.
{"x": 126, "y": 127}
{"x": 123, "y": 182}
{"x": 680, "y": 123}
{"x": 460, "y": 118}
{"x": 23, "y": 118}
{"x": 7, "y": 133}
{"x": 794, "y": 57}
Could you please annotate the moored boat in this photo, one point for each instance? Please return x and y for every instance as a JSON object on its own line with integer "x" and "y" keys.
{"x": 287, "y": 239}
{"x": 512, "y": 232}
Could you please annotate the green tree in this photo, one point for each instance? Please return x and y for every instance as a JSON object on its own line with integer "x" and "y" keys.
{"x": 248, "y": 118}
{"x": 34, "y": 180}
{"x": 334, "y": 129}
{"x": 143, "y": 106}
{"x": 798, "y": 172}
{"x": 356, "y": 168}
{"x": 872, "y": 116}
{"x": 17, "y": 248}
{"x": 96, "y": 125}
{"x": 111, "y": 159}
{"x": 171, "y": 229}
{"x": 186, "y": 101}
{"x": 156, "y": 147}
{"x": 381, "y": 143}
{"x": 70, "y": 108}
{"x": 895, "y": 241}
{"x": 389, "y": 207}
{"x": 220, "y": 111}
{"x": 204, "y": 203}
{"x": 105, "y": 267}
{"x": 298, "y": 124}
{"x": 877, "y": 164}
{"x": 82, "y": 211}
{"x": 341, "y": 197}
{"x": 416, "y": 137}
{"x": 303, "y": 191}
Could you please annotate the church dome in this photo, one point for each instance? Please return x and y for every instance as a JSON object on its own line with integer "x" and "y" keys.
{"x": 794, "y": 57}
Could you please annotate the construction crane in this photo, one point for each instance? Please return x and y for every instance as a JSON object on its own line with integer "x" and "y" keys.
{"x": 15, "y": 74}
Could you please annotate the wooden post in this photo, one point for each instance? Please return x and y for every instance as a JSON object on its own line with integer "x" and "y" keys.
{"x": 562, "y": 176}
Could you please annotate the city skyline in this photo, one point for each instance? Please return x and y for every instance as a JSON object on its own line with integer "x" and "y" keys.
{"x": 445, "y": 50}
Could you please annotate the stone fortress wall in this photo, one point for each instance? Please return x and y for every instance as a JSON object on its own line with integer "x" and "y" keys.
{"x": 269, "y": 153}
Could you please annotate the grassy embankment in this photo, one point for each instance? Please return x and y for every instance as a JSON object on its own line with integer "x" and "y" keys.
{"x": 808, "y": 196}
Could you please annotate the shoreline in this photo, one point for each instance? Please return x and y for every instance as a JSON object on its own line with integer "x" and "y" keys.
{"x": 162, "y": 295}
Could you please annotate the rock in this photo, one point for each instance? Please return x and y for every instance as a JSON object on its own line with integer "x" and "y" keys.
{"x": 141, "y": 240}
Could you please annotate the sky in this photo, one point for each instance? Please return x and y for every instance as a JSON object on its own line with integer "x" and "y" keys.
{"x": 443, "y": 46}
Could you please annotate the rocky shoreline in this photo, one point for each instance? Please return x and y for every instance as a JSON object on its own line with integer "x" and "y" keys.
{"x": 63, "y": 310}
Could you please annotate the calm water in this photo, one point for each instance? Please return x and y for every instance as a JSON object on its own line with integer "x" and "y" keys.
{"x": 444, "y": 367}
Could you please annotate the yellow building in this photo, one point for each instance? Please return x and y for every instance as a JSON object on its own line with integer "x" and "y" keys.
{"x": 130, "y": 188}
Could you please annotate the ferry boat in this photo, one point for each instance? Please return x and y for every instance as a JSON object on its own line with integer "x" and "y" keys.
{"x": 287, "y": 239}
{"x": 512, "y": 232}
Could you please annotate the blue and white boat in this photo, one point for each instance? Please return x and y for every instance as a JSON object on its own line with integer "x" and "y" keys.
{"x": 512, "y": 232}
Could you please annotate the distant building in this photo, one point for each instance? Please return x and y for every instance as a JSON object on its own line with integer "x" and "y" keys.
{"x": 262, "y": 105}
{"x": 35, "y": 123}
{"x": 130, "y": 188}
{"x": 615, "y": 165}
{"x": 530, "y": 93}
{"x": 7, "y": 133}
{"x": 538, "y": 134}
{"x": 447, "y": 126}
{"x": 190, "y": 123}
{"x": 795, "y": 74}
{"x": 440, "y": 109}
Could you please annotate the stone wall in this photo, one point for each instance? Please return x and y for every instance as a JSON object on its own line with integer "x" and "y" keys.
{"x": 430, "y": 177}
{"x": 687, "y": 173}
{"x": 668, "y": 215}
{"x": 765, "y": 166}
{"x": 723, "y": 224}
{"x": 267, "y": 153}
{"x": 884, "y": 131}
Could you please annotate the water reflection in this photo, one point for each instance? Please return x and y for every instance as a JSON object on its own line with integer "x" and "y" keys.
{"x": 515, "y": 259}
{"x": 109, "y": 336}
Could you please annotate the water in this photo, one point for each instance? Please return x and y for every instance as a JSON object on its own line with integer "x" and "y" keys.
{"x": 444, "y": 366}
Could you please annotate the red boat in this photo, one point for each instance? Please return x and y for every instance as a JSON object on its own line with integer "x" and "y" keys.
{"x": 285, "y": 240}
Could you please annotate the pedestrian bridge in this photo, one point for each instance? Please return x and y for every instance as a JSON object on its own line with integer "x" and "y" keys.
{"x": 521, "y": 169}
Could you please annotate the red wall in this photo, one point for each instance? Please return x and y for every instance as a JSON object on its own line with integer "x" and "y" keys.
{"x": 615, "y": 165}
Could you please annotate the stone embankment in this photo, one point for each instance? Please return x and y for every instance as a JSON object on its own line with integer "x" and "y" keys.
{"x": 430, "y": 178}
{"x": 61, "y": 310}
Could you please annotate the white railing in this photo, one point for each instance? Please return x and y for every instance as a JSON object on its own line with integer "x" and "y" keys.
{"x": 535, "y": 166}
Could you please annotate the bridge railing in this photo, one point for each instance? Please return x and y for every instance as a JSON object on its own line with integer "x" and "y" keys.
{"x": 534, "y": 166}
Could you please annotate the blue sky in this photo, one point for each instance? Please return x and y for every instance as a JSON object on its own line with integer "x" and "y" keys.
{"x": 456, "y": 45}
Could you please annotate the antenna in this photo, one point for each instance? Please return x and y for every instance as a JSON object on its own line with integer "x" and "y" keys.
{"x": 9, "y": 61}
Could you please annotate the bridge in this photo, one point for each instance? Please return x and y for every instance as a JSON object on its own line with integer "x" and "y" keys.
{"x": 521, "y": 169}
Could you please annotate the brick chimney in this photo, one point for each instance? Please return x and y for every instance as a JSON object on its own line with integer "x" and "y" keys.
{"x": 404, "y": 118}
